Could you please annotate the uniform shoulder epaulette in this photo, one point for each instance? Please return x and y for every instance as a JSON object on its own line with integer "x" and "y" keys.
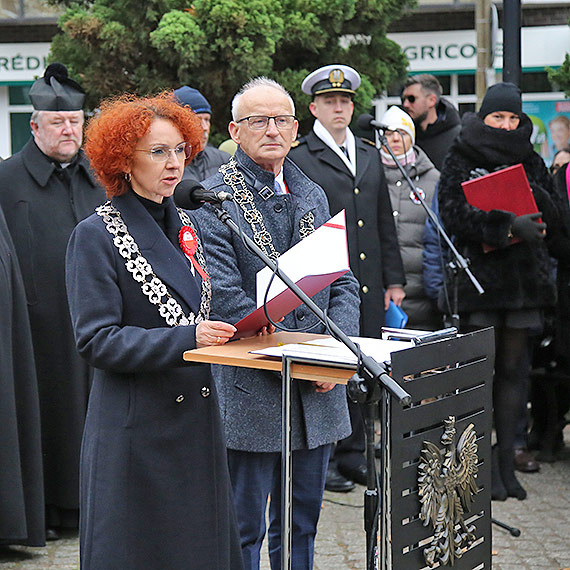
{"x": 369, "y": 142}
{"x": 297, "y": 142}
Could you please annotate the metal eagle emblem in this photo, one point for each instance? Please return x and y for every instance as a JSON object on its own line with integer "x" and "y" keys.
{"x": 446, "y": 485}
{"x": 336, "y": 77}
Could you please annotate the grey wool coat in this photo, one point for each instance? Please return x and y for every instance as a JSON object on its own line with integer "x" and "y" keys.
{"x": 155, "y": 490}
{"x": 251, "y": 399}
{"x": 410, "y": 218}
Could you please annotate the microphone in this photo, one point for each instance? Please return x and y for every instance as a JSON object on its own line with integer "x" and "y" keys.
{"x": 191, "y": 195}
{"x": 367, "y": 122}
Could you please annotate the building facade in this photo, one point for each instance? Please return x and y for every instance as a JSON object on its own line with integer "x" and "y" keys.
{"x": 438, "y": 37}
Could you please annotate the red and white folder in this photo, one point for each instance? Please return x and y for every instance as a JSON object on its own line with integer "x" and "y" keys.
{"x": 313, "y": 264}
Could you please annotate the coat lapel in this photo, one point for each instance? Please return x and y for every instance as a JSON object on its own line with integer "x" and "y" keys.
{"x": 167, "y": 261}
{"x": 363, "y": 157}
{"x": 325, "y": 154}
{"x": 304, "y": 197}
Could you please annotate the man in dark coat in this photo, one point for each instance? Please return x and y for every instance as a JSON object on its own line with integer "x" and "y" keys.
{"x": 45, "y": 189}
{"x": 21, "y": 482}
{"x": 209, "y": 159}
{"x": 349, "y": 169}
{"x": 278, "y": 205}
{"x": 437, "y": 120}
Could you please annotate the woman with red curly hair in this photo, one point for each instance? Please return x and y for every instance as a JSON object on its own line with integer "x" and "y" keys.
{"x": 155, "y": 491}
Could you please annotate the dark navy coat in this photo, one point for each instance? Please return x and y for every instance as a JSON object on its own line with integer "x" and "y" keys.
{"x": 155, "y": 490}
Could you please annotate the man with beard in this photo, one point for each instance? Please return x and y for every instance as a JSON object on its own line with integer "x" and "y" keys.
{"x": 436, "y": 119}
{"x": 45, "y": 189}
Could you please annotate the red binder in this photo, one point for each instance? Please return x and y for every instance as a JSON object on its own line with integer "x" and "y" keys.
{"x": 506, "y": 189}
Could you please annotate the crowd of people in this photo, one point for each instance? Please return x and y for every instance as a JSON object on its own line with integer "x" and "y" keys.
{"x": 107, "y": 280}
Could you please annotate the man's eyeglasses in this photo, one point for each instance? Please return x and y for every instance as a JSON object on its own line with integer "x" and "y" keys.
{"x": 260, "y": 122}
{"x": 410, "y": 98}
{"x": 160, "y": 153}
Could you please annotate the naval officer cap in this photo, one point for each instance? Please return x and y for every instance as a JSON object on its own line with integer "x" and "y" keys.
{"x": 330, "y": 79}
{"x": 55, "y": 91}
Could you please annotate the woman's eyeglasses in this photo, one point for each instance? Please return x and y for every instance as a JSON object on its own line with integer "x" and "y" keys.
{"x": 160, "y": 153}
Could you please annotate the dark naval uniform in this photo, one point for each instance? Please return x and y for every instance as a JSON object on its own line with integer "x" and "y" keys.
{"x": 372, "y": 243}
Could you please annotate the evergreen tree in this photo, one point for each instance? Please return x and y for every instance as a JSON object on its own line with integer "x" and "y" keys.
{"x": 115, "y": 46}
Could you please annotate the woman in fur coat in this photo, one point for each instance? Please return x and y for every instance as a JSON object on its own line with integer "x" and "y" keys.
{"x": 516, "y": 273}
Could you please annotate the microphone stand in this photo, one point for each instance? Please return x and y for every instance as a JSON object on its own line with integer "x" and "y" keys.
{"x": 459, "y": 263}
{"x": 366, "y": 384}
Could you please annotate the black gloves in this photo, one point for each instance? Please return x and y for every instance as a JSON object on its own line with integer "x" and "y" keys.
{"x": 527, "y": 228}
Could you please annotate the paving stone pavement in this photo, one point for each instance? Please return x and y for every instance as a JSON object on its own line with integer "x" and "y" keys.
{"x": 543, "y": 518}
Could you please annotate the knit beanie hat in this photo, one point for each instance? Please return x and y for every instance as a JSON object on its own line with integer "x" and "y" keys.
{"x": 501, "y": 97}
{"x": 397, "y": 120}
{"x": 190, "y": 97}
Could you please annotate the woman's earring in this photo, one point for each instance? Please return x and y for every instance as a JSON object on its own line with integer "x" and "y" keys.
{"x": 128, "y": 176}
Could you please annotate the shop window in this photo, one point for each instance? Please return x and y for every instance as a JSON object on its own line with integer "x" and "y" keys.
{"x": 466, "y": 84}
{"x": 18, "y": 9}
{"x": 536, "y": 83}
{"x": 18, "y": 95}
{"x": 9, "y": 9}
{"x": 466, "y": 107}
{"x": 20, "y": 129}
{"x": 40, "y": 9}
{"x": 445, "y": 81}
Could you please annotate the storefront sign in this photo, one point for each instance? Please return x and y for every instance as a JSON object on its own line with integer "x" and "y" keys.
{"x": 23, "y": 62}
{"x": 455, "y": 51}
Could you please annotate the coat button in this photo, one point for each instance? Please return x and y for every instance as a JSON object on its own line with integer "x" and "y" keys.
{"x": 278, "y": 207}
{"x": 205, "y": 391}
{"x": 364, "y": 289}
{"x": 399, "y": 183}
{"x": 356, "y": 191}
{"x": 395, "y": 213}
{"x": 360, "y": 223}
{"x": 301, "y": 316}
{"x": 363, "y": 256}
{"x": 180, "y": 398}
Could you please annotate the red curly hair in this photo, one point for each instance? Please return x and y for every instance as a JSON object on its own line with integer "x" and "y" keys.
{"x": 111, "y": 136}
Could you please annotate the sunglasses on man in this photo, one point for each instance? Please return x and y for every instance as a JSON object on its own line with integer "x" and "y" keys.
{"x": 410, "y": 98}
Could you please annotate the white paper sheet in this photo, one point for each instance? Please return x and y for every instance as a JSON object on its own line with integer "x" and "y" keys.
{"x": 323, "y": 252}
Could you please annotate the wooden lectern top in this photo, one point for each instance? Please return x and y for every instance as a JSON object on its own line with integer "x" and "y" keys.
{"x": 238, "y": 353}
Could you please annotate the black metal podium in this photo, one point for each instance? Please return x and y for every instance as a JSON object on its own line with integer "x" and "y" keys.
{"x": 451, "y": 377}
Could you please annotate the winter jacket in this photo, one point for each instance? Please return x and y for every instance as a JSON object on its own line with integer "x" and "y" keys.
{"x": 517, "y": 276}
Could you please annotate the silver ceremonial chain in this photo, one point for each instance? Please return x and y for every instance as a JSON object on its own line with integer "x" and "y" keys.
{"x": 234, "y": 178}
{"x": 141, "y": 270}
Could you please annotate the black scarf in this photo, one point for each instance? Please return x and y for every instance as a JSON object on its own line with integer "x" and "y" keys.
{"x": 488, "y": 147}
